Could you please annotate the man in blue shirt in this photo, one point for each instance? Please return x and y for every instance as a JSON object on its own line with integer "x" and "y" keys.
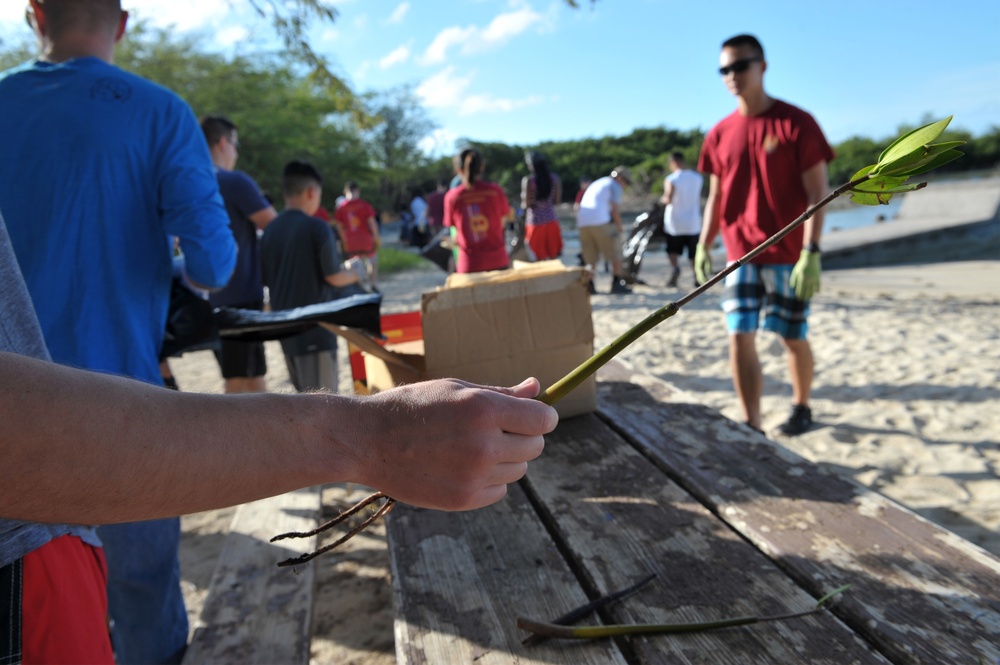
{"x": 101, "y": 170}
{"x": 242, "y": 363}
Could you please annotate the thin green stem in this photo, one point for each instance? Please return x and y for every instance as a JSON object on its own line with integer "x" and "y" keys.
{"x": 593, "y": 632}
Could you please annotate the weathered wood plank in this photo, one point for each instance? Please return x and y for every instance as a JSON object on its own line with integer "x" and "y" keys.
{"x": 460, "y": 580}
{"x": 256, "y": 612}
{"x": 623, "y": 519}
{"x": 920, "y": 594}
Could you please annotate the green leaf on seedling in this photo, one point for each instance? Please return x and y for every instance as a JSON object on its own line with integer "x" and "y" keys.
{"x": 911, "y": 141}
{"x": 877, "y": 190}
{"x": 921, "y": 160}
{"x": 836, "y": 592}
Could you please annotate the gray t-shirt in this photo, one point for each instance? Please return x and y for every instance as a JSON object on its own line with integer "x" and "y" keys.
{"x": 21, "y": 334}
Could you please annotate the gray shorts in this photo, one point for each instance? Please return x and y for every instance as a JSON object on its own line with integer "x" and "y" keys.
{"x": 313, "y": 371}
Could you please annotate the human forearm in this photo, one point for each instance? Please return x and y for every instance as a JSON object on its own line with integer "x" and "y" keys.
{"x": 87, "y": 448}
{"x": 116, "y": 450}
{"x": 815, "y": 183}
{"x": 342, "y": 278}
{"x": 710, "y": 217}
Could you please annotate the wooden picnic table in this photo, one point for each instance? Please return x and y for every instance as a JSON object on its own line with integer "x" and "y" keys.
{"x": 730, "y": 523}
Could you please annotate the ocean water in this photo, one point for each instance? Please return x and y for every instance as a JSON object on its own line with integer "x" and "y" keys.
{"x": 857, "y": 216}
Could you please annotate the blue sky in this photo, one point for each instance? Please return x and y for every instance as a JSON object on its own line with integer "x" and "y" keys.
{"x": 524, "y": 71}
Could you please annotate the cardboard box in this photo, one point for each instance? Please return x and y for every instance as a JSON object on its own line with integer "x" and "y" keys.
{"x": 497, "y": 329}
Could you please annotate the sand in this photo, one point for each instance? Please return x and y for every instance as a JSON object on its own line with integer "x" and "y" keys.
{"x": 906, "y": 400}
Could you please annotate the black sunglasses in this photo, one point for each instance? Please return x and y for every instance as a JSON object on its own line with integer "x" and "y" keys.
{"x": 739, "y": 66}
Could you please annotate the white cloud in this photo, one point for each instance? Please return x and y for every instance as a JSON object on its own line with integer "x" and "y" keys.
{"x": 447, "y": 90}
{"x": 439, "y": 142}
{"x": 489, "y": 104}
{"x": 399, "y": 13}
{"x": 183, "y": 14}
{"x": 473, "y": 39}
{"x": 232, "y": 35}
{"x": 437, "y": 52}
{"x": 398, "y": 56}
{"x": 444, "y": 89}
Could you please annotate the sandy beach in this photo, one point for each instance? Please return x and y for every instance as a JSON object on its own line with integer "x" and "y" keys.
{"x": 905, "y": 398}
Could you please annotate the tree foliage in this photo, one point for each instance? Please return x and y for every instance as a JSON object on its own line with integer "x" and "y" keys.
{"x": 285, "y": 112}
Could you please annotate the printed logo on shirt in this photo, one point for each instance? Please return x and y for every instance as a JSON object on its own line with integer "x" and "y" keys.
{"x": 770, "y": 143}
{"x": 111, "y": 89}
{"x": 479, "y": 223}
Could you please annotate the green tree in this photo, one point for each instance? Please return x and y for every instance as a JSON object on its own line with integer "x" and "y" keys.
{"x": 400, "y": 123}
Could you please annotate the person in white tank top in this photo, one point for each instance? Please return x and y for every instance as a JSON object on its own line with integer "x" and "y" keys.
{"x": 682, "y": 216}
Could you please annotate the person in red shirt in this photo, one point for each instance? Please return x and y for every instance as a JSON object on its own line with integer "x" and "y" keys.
{"x": 355, "y": 223}
{"x": 478, "y": 210}
{"x": 766, "y": 164}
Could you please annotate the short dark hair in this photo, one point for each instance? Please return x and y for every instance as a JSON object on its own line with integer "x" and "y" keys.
{"x": 298, "y": 176}
{"x": 744, "y": 40}
{"x": 350, "y": 186}
{"x": 90, "y": 15}
{"x": 677, "y": 156}
{"x": 216, "y": 128}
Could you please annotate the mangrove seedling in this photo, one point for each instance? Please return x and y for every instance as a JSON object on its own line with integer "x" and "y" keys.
{"x": 912, "y": 154}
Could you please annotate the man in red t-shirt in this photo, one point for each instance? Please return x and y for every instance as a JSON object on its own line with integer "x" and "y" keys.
{"x": 766, "y": 164}
{"x": 355, "y": 223}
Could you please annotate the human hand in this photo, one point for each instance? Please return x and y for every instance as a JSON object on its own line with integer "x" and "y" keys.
{"x": 449, "y": 444}
{"x": 702, "y": 263}
{"x": 805, "y": 275}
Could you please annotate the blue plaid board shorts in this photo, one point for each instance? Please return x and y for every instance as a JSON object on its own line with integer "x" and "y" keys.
{"x": 750, "y": 288}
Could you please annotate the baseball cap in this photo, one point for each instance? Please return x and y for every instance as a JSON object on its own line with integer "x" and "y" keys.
{"x": 622, "y": 172}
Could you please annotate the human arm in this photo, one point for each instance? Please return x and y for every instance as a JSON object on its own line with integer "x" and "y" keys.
{"x": 376, "y": 236}
{"x": 556, "y": 190}
{"x": 616, "y": 215}
{"x": 189, "y": 202}
{"x": 526, "y": 194}
{"x": 341, "y": 278}
{"x": 817, "y": 186}
{"x": 117, "y": 450}
{"x": 709, "y": 229}
{"x": 262, "y": 218}
{"x": 668, "y": 192}
{"x": 805, "y": 277}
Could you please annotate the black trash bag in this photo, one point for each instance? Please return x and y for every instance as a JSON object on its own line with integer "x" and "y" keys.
{"x": 646, "y": 227}
{"x": 436, "y": 252}
{"x": 518, "y": 248}
{"x": 247, "y": 325}
{"x": 190, "y": 322}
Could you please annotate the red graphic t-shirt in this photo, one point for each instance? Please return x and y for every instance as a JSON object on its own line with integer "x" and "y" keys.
{"x": 759, "y": 161}
{"x": 478, "y": 214}
{"x": 352, "y": 223}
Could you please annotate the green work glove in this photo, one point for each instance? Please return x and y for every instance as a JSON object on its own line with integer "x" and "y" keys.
{"x": 702, "y": 263}
{"x": 805, "y": 275}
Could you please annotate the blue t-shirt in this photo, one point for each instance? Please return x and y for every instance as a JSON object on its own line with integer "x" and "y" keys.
{"x": 100, "y": 167}
{"x": 19, "y": 333}
{"x": 243, "y": 198}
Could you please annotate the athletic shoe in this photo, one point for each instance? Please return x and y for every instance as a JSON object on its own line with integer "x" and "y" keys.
{"x": 799, "y": 421}
{"x": 619, "y": 286}
{"x": 674, "y": 276}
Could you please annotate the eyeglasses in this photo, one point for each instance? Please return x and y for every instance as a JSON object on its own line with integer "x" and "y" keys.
{"x": 739, "y": 66}
{"x": 233, "y": 141}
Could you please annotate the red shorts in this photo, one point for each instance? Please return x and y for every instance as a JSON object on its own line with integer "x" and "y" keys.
{"x": 64, "y": 605}
{"x": 545, "y": 240}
